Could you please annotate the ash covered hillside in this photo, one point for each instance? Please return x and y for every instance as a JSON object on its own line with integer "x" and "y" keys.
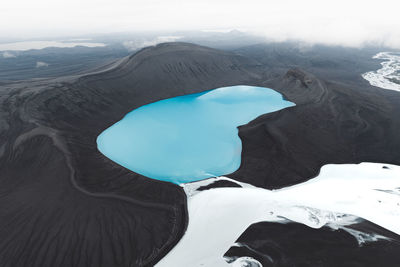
{"x": 62, "y": 203}
{"x": 331, "y": 123}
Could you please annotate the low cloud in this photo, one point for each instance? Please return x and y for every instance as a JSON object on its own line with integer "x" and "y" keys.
{"x": 41, "y": 64}
{"x": 342, "y": 22}
{"x": 8, "y": 55}
{"x": 348, "y": 32}
{"x": 137, "y": 44}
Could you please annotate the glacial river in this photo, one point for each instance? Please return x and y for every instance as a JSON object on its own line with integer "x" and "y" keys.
{"x": 387, "y": 77}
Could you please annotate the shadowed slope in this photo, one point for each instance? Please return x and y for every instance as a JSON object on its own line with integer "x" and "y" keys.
{"x": 62, "y": 202}
{"x": 332, "y": 123}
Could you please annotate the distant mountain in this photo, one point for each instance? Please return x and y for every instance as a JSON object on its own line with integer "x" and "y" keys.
{"x": 22, "y": 65}
{"x": 342, "y": 64}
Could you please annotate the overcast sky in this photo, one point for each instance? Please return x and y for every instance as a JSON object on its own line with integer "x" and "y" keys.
{"x": 345, "y": 22}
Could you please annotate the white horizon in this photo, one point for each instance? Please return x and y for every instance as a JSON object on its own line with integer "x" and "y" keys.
{"x": 342, "y": 22}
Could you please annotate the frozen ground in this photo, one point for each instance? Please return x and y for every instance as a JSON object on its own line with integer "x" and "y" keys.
{"x": 337, "y": 198}
{"x": 388, "y": 77}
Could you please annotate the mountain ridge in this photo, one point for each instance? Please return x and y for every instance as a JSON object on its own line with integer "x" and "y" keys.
{"x": 48, "y": 132}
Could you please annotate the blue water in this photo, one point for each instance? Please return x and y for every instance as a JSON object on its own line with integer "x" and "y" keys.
{"x": 188, "y": 138}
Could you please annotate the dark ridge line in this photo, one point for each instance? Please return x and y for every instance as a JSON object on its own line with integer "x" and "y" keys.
{"x": 62, "y": 147}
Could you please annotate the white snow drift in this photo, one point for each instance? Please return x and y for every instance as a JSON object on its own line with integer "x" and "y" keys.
{"x": 389, "y": 72}
{"x": 335, "y": 198}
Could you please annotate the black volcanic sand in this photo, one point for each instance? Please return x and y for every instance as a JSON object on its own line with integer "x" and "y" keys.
{"x": 332, "y": 123}
{"x": 62, "y": 203}
{"x": 274, "y": 244}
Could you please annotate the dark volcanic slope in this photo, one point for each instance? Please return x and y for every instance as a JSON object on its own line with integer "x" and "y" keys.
{"x": 332, "y": 123}
{"x": 328, "y": 62}
{"x": 288, "y": 245}
{"x": 62, "y": 203}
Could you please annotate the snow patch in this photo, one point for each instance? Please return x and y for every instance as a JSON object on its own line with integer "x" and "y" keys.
{"x": 337, "y": 198}
{"x": 8, "y": 55}
{"x": 243, "y": 262}
{"x": 41, "y": 64}
{"x": 27, "y": 45}
{"x": 192, "y": 188}
{"x": 388, "y": 77}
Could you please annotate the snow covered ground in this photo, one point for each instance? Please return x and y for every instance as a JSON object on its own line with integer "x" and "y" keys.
{"x": 337, "y": 197}
{"x": 388, "y": 77}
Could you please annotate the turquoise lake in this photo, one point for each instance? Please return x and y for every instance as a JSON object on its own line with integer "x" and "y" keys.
{"x": 188, "y": 138}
